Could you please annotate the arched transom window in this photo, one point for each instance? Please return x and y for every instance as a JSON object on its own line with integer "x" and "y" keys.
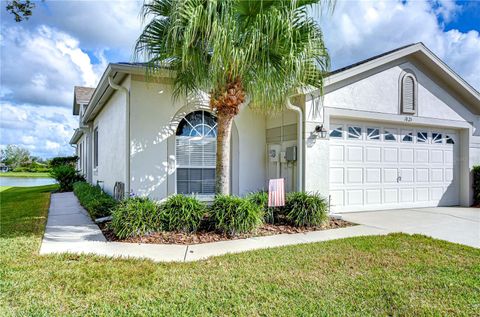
{"x": 195, "y": 146}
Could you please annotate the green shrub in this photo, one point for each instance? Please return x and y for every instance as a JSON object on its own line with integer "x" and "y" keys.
{"x": 260, "y": 199}
{"x": 182, "y": 213}
{"x": 476, "y": 184}
{"x": 136, "y": 216}
{"x": 94, "y": 200}
{"x": 233, "y": 214}
{"x": 303, "y": 209}
{"x": 66, "y": 176}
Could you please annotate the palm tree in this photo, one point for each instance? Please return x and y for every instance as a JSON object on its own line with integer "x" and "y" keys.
{"x": 262, "y": 49}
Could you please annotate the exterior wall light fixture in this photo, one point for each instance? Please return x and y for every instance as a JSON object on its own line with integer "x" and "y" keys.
{"x": 320, "y": 131}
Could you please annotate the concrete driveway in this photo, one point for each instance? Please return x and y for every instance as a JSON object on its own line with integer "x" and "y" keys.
{"x": 454, "y": 224}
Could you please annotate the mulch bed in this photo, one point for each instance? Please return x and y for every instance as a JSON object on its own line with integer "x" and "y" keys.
{"x": 204, "y": 236}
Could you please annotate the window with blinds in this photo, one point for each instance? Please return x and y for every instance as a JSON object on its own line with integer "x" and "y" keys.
{"x": 95, "y": 147}
{"x": 408, "y": 94}
{"x": 195, "y": 147}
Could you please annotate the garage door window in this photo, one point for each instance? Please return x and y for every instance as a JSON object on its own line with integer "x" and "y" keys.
{"x": 422, "y": 137}
{"x": 389, "y": 135}
{"x": 337, "y": 132}
{"x": 407, "y": 136}
{"x": 373, "y": 134}
{"x": 449, "y": 139}
{"x": 354, "y": 132}
{"x": 437, "y": 138}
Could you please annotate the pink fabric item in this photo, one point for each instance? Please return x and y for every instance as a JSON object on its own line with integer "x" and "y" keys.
{"x": 276, "y": 192}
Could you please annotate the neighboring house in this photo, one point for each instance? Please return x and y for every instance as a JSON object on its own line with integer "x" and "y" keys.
{"x": 397, "y": 130}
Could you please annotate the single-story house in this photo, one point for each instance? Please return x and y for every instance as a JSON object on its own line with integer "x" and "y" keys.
{"x": 400, "y": 129}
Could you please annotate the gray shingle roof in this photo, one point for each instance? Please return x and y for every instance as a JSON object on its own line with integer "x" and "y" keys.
{"x": 368, "y": 59}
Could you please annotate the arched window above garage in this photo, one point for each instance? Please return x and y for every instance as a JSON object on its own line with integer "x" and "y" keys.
{"x": 408, "y": 93}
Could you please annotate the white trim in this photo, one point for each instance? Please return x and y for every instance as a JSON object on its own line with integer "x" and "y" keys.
{"x": 393, "y": 118}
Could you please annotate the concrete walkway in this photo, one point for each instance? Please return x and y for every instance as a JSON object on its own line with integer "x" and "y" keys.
{"x": 70, "y": 229}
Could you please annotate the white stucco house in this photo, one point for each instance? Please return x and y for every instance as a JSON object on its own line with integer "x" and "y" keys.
{"x": 397, "y": 130}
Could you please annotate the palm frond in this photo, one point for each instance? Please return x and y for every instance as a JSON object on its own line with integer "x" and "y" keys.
{"x": 271, "y": 46}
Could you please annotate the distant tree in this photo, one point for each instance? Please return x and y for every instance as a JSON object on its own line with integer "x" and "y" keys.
{"x": 63, "y": 160}
{"x": 15, "y": 156}
{"x": 21, "y": 9}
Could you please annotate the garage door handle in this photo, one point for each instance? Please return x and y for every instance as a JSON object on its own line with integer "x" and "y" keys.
{"x": 399, "y": 179}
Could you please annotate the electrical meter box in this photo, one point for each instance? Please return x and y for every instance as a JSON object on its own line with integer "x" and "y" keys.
{"x": 291, "y": 153}
{"x": 274, "y": 152}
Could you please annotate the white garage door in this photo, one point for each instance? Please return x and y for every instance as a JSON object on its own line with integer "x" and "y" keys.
{"x": 374, "y": 166}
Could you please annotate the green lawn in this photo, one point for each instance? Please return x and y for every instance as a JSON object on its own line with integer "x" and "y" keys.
{"x": 391, "y": 275}
{"x": 24, "y": 174}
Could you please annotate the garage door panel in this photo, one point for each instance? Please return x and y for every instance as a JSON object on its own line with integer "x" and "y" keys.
{"x": 354, "y": 197}
{"x": 395, "y": 167}
{"x": 449, "y": 175}
{"x": 390, "y": 155}
{"x": 421, "y": 156}
{"x": 436, "y": 156}
{"x": 422, "y": 194}
{"x": 354, "y": 175}
{"x": 390, "y": 196}
{"x": 436, "y": 193}
{"x": 336, "y": 153}
{"x": 354, "y": 154}
{"x": 337, "y": 197}
{"x": 436, "y": 175}
{"x": 336, "y": 175}
{"x": 422, "y": 175}
{"x": 373, "y": 196}
{"x": 407, "y": 195}
{"x": 373, "y": 175}
{"x": 390, "y": 175}
{"x": 448, "y": 156}
{"x": 373, "y": 154}
{"x": 406, "y": 175}
{"x": 406, "y": 155}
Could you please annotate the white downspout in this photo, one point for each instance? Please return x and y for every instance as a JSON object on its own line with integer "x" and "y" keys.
{"x": 290, "y": 106}
{"x": 127, "y": 133}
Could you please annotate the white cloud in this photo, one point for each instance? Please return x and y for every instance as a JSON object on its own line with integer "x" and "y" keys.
{"x": 44, "y": 130}
{"x": 111, "y": 24}
{"x": 361, "y": 29}
{"x": 51, "y": 64}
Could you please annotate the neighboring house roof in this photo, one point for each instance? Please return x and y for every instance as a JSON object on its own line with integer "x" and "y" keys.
{"x": 417, "y": 52}
{"x": 81, "y": 95}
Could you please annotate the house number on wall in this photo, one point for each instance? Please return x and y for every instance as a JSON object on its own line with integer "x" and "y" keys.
{"x": 408, "y": 119}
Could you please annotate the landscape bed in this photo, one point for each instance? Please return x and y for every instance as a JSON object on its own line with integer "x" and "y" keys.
{"x": 206, "y": 236}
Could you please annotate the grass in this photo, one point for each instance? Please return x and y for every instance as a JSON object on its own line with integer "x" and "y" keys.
{"x": 25, "y": 174}
{"x": 385, "y": 275}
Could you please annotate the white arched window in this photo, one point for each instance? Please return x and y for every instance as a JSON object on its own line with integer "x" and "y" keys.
{"x": 408, "y": 95}
{"x": 195, "y": 147}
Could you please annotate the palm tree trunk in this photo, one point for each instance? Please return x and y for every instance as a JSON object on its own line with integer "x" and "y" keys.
{"x": 222, "y": 172}
{"x": 226, "y": 102}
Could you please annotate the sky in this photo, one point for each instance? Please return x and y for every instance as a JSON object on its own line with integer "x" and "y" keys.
{"x": 68, "y": 43}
